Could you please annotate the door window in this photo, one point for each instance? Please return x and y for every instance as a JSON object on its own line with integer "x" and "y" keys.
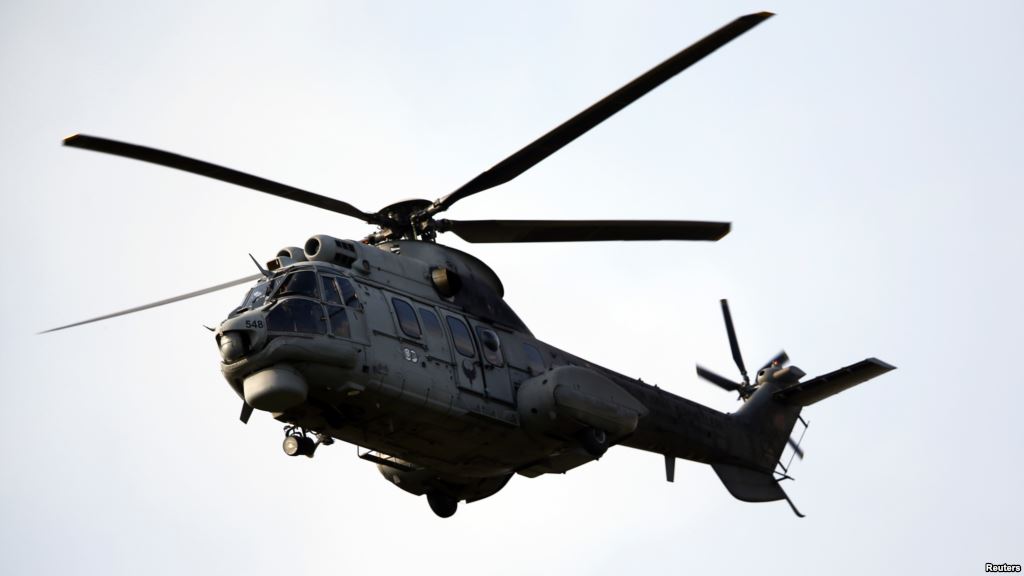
{"x": 490, "y": 344}
{"x": 461, "y": 336}
{"x": 348, "y": 293}
{"x": 338, "y": 319}
{"x": 431, "y": 325}
{"x": 331, "y": 293}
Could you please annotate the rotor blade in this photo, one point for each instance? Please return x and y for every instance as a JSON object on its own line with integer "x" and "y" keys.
{"x": 209, "y": 170}
{"x": 582, "y": 230}
{"x": 780, "y": 358}
{"x": 160, "y": 302}
{"x": 717, "y": 380}
{"x": 578, "y": 125}
{"x": 733, "y": 343}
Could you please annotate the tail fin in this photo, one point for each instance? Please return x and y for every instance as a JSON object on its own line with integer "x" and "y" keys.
{"x": 767, "y": 424}
{"x": 768, "y": 419}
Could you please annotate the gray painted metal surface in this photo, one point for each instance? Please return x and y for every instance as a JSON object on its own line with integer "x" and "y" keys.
{"x": 444, "y": 390}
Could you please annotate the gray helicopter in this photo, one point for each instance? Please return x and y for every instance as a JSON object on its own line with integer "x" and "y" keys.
{"x": 407, "y": 349}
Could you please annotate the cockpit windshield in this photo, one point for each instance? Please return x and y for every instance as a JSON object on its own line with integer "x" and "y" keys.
{"x": 299, "y": 284}
{"x": 295, "y": 284}
{"x": 258, "y": 295}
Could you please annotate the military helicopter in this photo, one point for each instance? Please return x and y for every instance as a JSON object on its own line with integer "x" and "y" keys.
{"x": 406, "y": 348}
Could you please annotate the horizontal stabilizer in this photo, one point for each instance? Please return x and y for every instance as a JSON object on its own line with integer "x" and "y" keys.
{"x": 815, "y": 389}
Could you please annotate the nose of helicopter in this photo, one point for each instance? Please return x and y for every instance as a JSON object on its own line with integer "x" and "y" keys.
{"x": 274, "y": 388}
{"x": 240, "y": 335}
{"x": 232, "y": 346}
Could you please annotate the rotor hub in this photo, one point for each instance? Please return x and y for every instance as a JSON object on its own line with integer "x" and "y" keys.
{"x": 404, "y": 220}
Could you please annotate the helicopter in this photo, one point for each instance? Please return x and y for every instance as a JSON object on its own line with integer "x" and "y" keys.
{"x": 407, "y": 349}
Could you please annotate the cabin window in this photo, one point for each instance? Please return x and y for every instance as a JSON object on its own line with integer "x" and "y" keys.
{"x": 338, "y": 319}
{"x": 296, "y": 315}
{"x": 490, "y": 344}
{"x": 534, "y": 360}
{"x": 299, "y": 284}
{"x": 461, "y": 336}
{"x": 406, "y": 318}
{"x": 431, "y": 325}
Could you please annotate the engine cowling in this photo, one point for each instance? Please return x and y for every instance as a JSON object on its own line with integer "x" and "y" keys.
{"x": 566, "y": 399}
{"x": 323, "y": 248}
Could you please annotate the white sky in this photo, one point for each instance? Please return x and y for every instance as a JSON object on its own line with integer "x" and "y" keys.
{"x": 868, "y": 154}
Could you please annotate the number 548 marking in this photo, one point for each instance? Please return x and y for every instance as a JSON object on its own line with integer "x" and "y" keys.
{"x": 254, "y": 323}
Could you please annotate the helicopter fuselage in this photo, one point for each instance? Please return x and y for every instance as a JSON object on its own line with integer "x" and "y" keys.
{"x": 409, "y": 350}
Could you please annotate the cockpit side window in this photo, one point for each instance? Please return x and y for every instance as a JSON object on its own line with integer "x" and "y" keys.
{"x": 348, "y": 293}
{"x": 331, "y": 293}
{"x": 406, "y": 318}
{"x": 340, "y": 291}
{"x": 301, "y": 283}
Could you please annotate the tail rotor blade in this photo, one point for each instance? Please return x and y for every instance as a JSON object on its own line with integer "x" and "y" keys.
{"x": 733, "y": 343}
{"x": 717, "y": 380}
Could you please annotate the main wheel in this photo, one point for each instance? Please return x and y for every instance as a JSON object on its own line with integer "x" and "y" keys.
{"x": 594, "y": 441}
{"x": 442, "y": 504}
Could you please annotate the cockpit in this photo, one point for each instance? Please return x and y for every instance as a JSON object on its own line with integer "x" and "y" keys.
{"x": 305, "y": 302}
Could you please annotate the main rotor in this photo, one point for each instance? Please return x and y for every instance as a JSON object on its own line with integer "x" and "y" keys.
{"x": 415, "y": 219}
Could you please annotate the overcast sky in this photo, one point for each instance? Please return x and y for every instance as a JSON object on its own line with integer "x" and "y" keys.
{"x": 869, "y": 155}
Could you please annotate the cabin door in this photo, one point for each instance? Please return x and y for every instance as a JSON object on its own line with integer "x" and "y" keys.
{"x": 495, "y": 370}
{"x": 468, "y": 372}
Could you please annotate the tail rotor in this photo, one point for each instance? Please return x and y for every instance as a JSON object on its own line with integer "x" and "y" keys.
{"x": 744, "y": 388}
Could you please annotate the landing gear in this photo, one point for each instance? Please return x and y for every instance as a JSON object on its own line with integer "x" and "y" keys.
{"x": 594, "y": 441}
{"x": 442, "y": 504}
{"x": 298, "y": 443}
